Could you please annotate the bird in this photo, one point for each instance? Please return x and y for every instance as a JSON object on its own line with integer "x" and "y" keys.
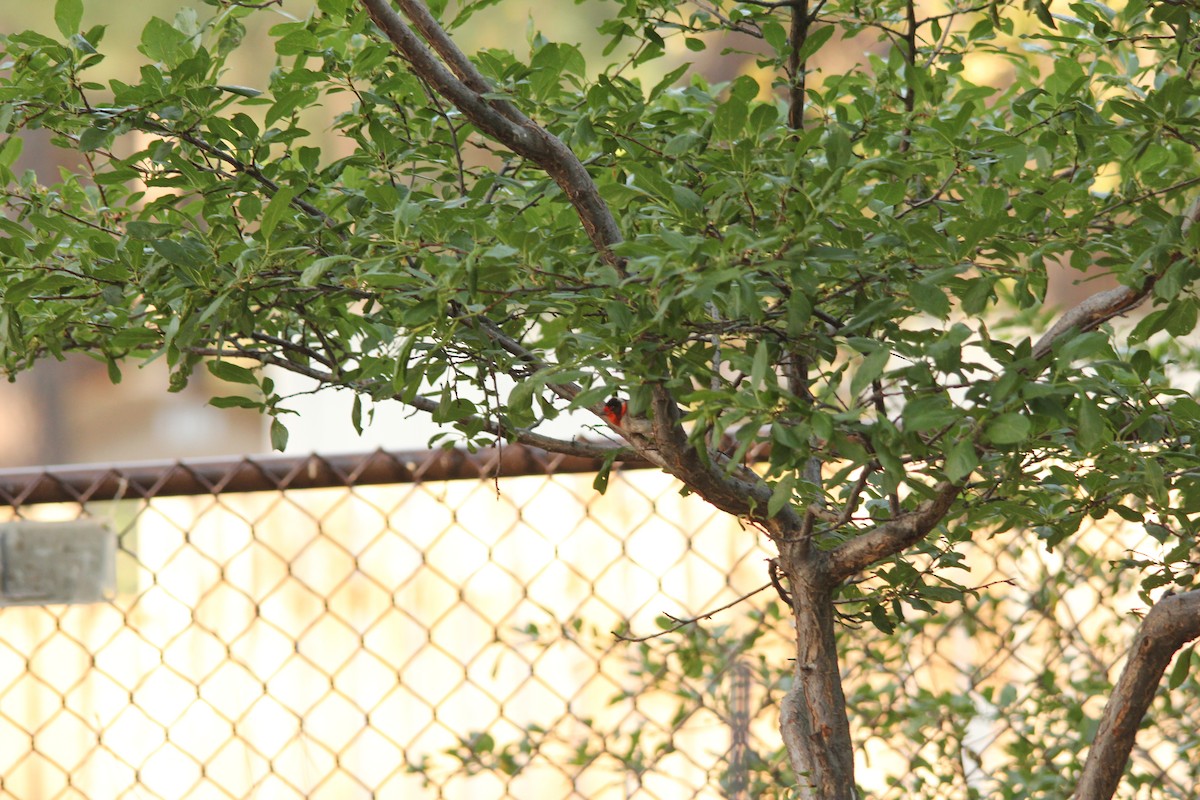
{"x": 614, "y": 410}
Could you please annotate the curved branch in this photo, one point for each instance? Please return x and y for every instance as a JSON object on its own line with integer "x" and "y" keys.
{"x": 485, "y": 114}
{"x": 1092, "y": 312}
{"x": 1100, "y": 307}
{"x": 743, "y": 494}
{"x": 463, "y": 86}
{"x": 454, "y": 58}
{"x": 906, "y": 529}
{"x": 1171, "y": 623}
{"x": 892, "y": 536}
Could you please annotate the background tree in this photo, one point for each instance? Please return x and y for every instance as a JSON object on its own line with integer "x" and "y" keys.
{"x": 842, "y": 273}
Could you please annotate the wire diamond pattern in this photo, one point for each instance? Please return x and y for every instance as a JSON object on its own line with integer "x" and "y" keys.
{"x": 327, "y": 642}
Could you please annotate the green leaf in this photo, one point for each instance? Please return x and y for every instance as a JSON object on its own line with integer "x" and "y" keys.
{"x": 815, "y": 41}
{"x": 668, "y": 80}
{"x": 762, "y": 360}
{"x": 187, "y": 252}
{"x": 279, "y": 435}
{"x": 730, "y": 118}
{"x": 1092, "y": 431}
{"x": 1183, "y": 665}
{"x": 880, "y": 619}
{"x": 837, "y": 148}
{"x": 977, "y": 295}
{"x": 781, "y": 494}
{"x": 1043, "y": 13}
{"x": 275, "y": 210}
{"x": 1010, "y": 428}
{"x": 162, "y": 42}
{"x": 930, "y": 298}
{"x": 92, "y": 139}
{"x": 961, "y": 460}
{"x": 870, "y": 369}
{"x": 10, "y": 150}
{"x": 519, "y": 406}
{"x": 1181, "y": 317}
{"x": 763, "y": 119}
{"x": 927, "y": 413}
{"x": 232, "y": 373}
{"x": 313, "y": 273}
{"x": 600, "y": 483}
{"x": 235, "y": 401}
{"x": 774, "y": 35}
{"x": 243, "y": 91}
{"x": 68, "y": 14}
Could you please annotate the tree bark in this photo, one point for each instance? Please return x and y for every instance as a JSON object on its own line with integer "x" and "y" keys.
{"x": 1171, "y": 623}
{"x": 813, "y": 720}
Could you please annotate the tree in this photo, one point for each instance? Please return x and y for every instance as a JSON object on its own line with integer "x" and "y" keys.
{"x": 844, "y": 271}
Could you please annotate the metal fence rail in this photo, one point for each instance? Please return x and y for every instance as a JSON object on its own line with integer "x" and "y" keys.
{"x": 84, "y": 483}
{"x": 417, "y": 625}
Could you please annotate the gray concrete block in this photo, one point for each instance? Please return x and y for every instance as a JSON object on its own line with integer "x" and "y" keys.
{"x": 49, "y": 563}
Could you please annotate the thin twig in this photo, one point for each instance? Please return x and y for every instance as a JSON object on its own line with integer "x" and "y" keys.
{"x": 855, "y": 493}
{"x": 846, "y": 601}
{"x": 682, "y": 623}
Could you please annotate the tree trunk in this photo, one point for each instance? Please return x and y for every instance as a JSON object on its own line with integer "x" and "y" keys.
{"x": 815, "y": 728}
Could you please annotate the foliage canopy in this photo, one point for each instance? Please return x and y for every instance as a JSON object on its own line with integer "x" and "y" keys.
{"x": 845, "y": 270}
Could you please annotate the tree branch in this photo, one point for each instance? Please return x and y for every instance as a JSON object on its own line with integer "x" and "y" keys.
{"x": 466, "y": 88}
{"x": 892, "y": 536}
{"x": 1092, "y": 312}
{"x": 566, "y": 391}
{"x": 1100, "y": 307}
{"x": 573, "y": 447}
{"x": 797, "y": 34}
{"x": 906, "y": 529}
{"x": 743, "y": 494}
{"x": 683, "y": 623}
{"x": 455, "y": 58}
{"x": 1171, "y": 623}
{"x": 497, "y": 118}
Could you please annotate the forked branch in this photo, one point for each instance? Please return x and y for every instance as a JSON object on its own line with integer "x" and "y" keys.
{"x": 740, "y": 492}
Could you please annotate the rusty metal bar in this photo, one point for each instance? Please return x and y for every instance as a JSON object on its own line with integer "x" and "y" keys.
{"x": 74, "y": 484}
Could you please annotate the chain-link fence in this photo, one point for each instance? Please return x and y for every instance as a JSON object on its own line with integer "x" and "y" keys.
{"x": 438, "y": 626}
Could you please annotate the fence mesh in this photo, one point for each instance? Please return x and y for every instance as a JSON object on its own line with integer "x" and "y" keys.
{"x": 392, "y": 635}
